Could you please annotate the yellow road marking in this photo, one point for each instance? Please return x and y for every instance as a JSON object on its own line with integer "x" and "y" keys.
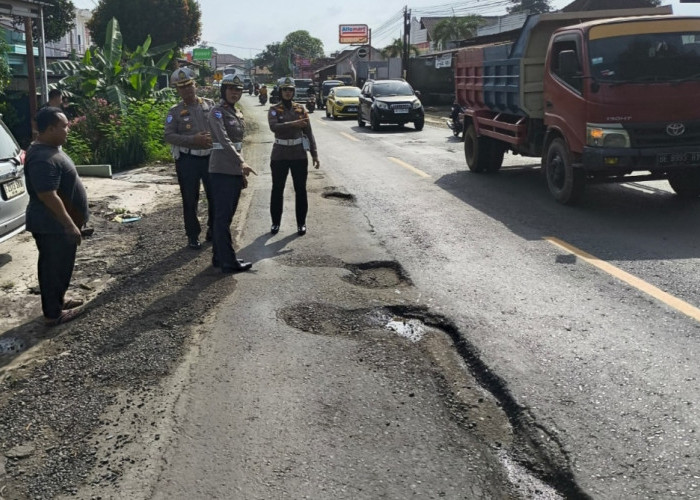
{"x": 348, "y": 136}
{"x": 407, "y": 166}
{"x": 639, "y": 284}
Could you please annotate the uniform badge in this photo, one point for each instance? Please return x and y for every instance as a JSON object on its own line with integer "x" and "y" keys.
{"x": 273, "y": 112}
{"x": 232, "y": 122}
{"x": 186, "y": 118}
{"x": 188, "y": 126}
{"x": 184, "y": 112}
{"x": 169, "y": 119}
{"x": 218, "y": 114}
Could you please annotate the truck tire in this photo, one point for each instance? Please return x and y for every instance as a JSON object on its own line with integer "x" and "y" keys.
{"x": 496, "y": 153}
{"x": 686, "y": 184}
{"x": 565, "y": 182}
{"x": 476, "y": 150}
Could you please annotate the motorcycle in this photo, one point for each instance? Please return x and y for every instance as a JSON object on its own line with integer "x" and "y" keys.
{"x": 455, "y": 121}
{"x": 311, "y": 104}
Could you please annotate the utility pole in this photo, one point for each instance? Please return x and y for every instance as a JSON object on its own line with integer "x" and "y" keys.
{"x": 406, "y": 41}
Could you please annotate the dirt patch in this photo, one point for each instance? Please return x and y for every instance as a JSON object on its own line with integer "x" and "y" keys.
{"x": 380, "y": 274}
{"x": 62, "y": 416}
{"x": 338, "y": 194}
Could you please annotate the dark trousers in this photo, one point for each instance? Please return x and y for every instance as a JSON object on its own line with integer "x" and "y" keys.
{"x": 226, "y": 190}
{"x": 56, "y": 261}
{"x": 300, "y": 171}
{"x": 190, "y": 171}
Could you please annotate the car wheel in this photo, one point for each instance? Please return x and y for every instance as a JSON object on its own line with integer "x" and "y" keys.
{"x": 419, "y": 124}
{"x": 360, "y": 121}
{"x": 565, "y": 182}
{"x": 333, "y": 114}
{"x": 374, "y": 121}
{"x": 685, "y": 184}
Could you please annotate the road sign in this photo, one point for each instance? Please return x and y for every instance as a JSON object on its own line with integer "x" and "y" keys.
{"x": 202, "y": 54}
{"x": 218, "y": 76}
{"x": 362, "y": 52}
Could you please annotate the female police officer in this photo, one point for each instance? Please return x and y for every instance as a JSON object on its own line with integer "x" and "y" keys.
{"x": 227, "y": 171}
{"x": 293, "y": 138}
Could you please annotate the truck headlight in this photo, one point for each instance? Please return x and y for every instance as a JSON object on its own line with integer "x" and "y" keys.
{"x": 416, "y": 104}
{"x": 381, "y": 105}
{"x": 607, "y": 135}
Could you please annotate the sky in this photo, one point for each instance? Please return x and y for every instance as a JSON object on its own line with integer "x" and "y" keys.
{"x": 245, "y": 31}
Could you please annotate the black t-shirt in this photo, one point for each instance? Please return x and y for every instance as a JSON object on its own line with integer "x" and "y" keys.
{"x": 48, "y": 168}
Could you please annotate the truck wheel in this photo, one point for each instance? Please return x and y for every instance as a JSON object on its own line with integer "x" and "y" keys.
{"x": 565, "y": 182}
{"x": 418, "y": 124}
{"x": 360, "y": 122}
{"x": 685, "y": 184}
{"x": 496, "y": 153}
{"x": 476, "y": 150}
{"x": 374, "y": 122}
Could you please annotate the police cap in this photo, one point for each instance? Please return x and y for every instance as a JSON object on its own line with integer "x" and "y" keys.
{"x": 232, "y": 81}
{"x": 287, "y": 83}
{"x": 182, "y": 77}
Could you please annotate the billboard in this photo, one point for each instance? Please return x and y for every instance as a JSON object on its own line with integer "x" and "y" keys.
{"x": 202, "y": 54}
{"x": 353, "y": 33}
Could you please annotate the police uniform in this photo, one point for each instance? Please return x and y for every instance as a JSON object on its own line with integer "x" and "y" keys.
{"x": 289, "y": 155}
{"x": 226, "y": 174}
{"x": 182, "y": 123}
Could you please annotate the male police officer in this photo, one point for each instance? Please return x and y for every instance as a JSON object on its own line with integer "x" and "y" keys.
{"x": 187, "y": 130}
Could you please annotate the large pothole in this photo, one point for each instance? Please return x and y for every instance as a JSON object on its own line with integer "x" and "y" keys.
{"x": 378, "y": 274}
{"x": 338, "y": 194}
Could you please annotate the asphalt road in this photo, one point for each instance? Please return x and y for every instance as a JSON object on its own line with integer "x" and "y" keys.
{"x": 549, "y": 350}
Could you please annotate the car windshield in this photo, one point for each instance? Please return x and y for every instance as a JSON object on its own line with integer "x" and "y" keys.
{"x": 8, "y": 146}
{"x": 646, "y": 57}
{"x": 391, "y": 88}
{"x": 354, "y": 92}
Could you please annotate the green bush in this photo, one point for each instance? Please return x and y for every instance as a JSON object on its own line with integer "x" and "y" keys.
{"x": 102, "y": 134}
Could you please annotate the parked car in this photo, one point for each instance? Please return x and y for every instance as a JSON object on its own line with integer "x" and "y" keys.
{"x": 343, "y": 101}
{"x": 325, "y": 89}
{"x": 389, "y": 101}
{"x": 13, "y": 191}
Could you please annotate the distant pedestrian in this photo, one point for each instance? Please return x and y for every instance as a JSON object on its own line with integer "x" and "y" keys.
{"x": 227, "y": 171}
{"x": 187, "y": 130}
{"x": 57, "y": 209}
{"x": 290, "y": 123}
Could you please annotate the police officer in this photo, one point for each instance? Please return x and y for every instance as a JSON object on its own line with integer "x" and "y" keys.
{"x": 289, "y": 122}
{"x": 187, "y": 130}
{"x": 227, "y": 171}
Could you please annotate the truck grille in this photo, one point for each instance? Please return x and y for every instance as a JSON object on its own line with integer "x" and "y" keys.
{"x": 651, "y": 135}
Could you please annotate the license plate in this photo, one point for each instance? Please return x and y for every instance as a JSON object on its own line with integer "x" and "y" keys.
{"x": 351, "y": 109}
{"x": 398, "y": 111}
{"x": 680, "y": 159}
{"x": 13, "y": 188}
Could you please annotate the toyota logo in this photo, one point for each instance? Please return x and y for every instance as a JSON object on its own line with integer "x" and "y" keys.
{"x": 675, "y": 129}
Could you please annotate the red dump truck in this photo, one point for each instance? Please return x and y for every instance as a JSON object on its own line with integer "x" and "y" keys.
{"x": 598, "y": 98}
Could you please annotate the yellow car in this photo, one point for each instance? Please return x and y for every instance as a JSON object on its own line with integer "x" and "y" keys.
{"x": 343, "y": 101}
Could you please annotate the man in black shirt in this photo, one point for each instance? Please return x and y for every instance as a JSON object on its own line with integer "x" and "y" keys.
{"x": 57, "y": 210}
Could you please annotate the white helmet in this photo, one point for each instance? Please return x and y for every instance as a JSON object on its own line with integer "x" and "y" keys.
{"x": 182, "y": 77}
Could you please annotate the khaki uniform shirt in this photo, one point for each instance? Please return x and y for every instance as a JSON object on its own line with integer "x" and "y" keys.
{"x": 227, "y": 129}
{"x": 278, "y": 118}
{"x": 183, "y": 122}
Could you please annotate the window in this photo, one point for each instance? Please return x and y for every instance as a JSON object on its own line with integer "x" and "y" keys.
{"x": 562, "y": 44}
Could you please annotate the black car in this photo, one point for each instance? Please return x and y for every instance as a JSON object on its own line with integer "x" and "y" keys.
{"x": 324, "y": 89}
{"x": 389, "y": 101}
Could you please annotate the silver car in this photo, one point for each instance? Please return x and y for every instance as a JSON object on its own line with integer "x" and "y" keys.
{"x": 13, "y": 191}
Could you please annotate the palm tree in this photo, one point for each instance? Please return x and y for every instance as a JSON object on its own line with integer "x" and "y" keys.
{"x": 456, "y": 28}
{"x": 395, "y": 49}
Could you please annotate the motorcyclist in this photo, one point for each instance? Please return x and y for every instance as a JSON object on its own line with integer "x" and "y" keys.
{"x": 263, "y": 90}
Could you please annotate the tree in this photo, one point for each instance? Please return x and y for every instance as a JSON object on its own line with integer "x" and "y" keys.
{"x": 166, "y": 21}
{"x": 395, "y": 49}
{"x": 456, "y": 28}
{"x": 59, "y": 19}
{"x": 5, "y": 71}
{"x": 530, "y": 6}
{"x": 111, "y": 73}
{"x": 279, "y": 56}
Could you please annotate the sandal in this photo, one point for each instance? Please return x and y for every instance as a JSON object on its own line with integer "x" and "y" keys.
{"x": 65, "y": 317}
{"x": 72, "y": 303}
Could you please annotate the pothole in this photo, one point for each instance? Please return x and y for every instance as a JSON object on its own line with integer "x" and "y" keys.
{"x": 335, "y": 193}
{"x": 377, "y": 274}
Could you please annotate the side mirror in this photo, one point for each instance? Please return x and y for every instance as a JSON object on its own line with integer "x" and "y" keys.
{"x": 417, "y": 92}
{"x": 568, "y": 64}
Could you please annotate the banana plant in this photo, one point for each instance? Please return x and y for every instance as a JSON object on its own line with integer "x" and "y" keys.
{"x": 112, "y": 73}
